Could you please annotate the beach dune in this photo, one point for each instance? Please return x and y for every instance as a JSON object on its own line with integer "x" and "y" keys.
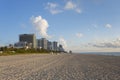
{"x": 59, "y": 67}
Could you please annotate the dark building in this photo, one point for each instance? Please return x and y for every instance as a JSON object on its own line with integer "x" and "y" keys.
{"x": 61, "y": 49}
{"x": 39, "y": 43}
{"x": 29, "y": 38}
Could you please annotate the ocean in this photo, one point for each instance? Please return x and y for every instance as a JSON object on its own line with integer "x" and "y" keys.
{"x": 103, "y": 53}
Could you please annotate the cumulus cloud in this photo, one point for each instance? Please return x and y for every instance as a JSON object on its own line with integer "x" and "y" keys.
{"x": 79, "y": 35}
{"x": 63, "y": 42}
{"x": 107, "y": 44}
{"x": 53, "y": 8}
{"x": 41, "y": 26}
{"x": 72, "y": 6}
{"x": 108, "y": 26}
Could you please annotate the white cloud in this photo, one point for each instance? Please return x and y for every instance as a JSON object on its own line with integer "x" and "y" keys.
{"x": 52, "y": 5}
{"x": 53, "y": 8}
{"x": 79, "y": 35}
{"x": 78, "y": 10}
{"x": 107, "y": 44}
{"x": 108, "y": 26}
{"x": 63, "y": 42}
{"x": 72, "y": 6}
{"x": 55, "y": 11}
{"x": 41, "y": 26}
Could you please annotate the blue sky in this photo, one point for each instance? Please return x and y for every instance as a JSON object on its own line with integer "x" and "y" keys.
{"x": 80, "y": 25}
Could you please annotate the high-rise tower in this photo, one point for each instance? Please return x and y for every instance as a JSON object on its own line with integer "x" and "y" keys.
{"x": 29, "y": 38}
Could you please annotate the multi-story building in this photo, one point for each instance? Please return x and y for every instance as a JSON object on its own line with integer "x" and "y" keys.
{"x": 49, "y": 45}
{"x": 39, "y": 43}
{"x": 30, "y": 41}
{"x": 54, "y": 46}
{"x": 29, "y": 38}
{"x": 43, "y": 43}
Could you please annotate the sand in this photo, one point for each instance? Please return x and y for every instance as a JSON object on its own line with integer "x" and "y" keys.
{"x": 59, "y": 67}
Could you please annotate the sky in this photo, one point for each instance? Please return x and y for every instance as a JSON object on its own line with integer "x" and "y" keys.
{"x": 79, "y": 25}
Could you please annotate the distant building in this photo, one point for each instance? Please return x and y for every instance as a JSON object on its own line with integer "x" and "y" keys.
{"x": 20, "y": 45}
{"x": 49, "y": 45}
{"x": 39, "y": 43}
{"x": 61, "y": 49}
{"x": 44, "y": 43}
{"x": 70, "y": 51}
{"x": 29, "y": 38}
{"x": 11, "y": 46}
{"x": 54, "y": 46}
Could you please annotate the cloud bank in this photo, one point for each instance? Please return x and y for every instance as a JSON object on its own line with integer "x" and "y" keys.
{"x": 107, "y": 44}
{"x": 41, "y": 26}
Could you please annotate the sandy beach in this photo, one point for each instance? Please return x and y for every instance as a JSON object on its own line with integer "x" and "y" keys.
{"x": 59, "y": 67}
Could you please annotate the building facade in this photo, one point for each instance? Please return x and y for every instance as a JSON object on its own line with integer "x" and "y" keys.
{"x": 44, "y": 43}
{"x": 29, "y": 38}
{"x": 55, "y": 46}
{"x": 20, "y": 45}
{"x": 39, "y": 43}
{"x": 49, "y": 45}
